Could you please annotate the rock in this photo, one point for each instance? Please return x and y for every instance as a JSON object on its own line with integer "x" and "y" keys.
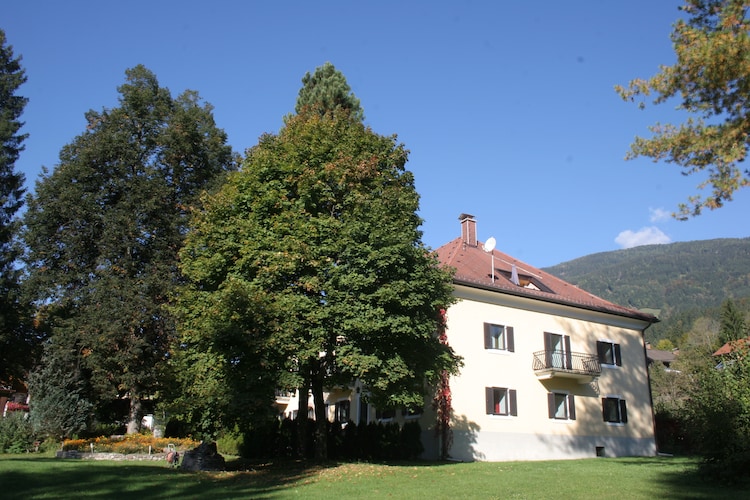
{"x": 204, "y": 457}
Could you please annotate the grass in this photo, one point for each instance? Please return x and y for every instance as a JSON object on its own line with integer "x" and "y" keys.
{"x": 36, "y": 477}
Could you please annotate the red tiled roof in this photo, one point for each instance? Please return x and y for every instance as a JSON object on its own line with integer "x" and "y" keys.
{"x": 473, "y": 268}
{"x": 733, "y": 345}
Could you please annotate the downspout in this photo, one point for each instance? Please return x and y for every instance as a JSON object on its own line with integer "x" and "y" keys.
{"x": 648, "y": 380}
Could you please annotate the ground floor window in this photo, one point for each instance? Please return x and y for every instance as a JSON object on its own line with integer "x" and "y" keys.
{"x": 614, "y": 410}
{"x": 342, "y": 411}
{"x": 561, "y": 406}
{"x": 501, "y": 401}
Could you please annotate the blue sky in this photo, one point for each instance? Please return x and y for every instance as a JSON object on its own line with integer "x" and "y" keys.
{"x": 508, "y": 108}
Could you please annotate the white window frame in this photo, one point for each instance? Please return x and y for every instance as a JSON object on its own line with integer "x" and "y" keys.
{"x": 621, "y": 407}
{"x": 615, "y": 350}
{"x": 569, "y": 402}
{"x": 507, "y": 337}
{"x": 509, "y": 397}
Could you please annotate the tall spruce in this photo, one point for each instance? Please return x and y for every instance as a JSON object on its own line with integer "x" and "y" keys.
{"x": 16, "y": 345}
{"x": 105, "y": 226}
{"x": 311, "y": 257}
{"x": 733, "y": 323}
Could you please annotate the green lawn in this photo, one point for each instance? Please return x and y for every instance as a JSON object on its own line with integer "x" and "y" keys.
{"x": 35, "y": 477}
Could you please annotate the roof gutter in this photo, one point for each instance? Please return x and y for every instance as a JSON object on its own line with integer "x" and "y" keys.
{"x": 651, "y": 319}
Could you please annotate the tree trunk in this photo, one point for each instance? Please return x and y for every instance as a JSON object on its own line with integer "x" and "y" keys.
{"x": 303, "y": 395}
{"x": 135, "y": 415}
{"x": 321, "y": 419}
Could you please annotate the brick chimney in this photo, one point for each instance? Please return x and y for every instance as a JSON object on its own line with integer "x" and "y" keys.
{"x": 468, "y": 229}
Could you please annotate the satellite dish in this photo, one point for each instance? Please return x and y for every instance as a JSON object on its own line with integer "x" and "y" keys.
{"x": 490, "y": 244}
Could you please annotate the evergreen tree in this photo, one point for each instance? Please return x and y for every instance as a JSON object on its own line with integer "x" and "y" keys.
{"x": 104, "y": 229}
{"x": 60, "y": 406}
{"x": 733, "y": 325}
{"x": 325, "y": 91}
{"x": 16, "y": 345}
{"x": 312, "y": 256}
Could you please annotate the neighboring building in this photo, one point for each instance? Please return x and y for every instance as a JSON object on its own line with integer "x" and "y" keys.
{"x": 660, "y": 357}
{"x": 14, "y": 396}
{"x": 732, "y": 346}
{"x": 550, "y": 371}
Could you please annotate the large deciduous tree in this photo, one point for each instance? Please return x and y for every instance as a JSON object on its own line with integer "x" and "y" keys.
{"x": 16, "y": 345}
{"x": 310, "y": 263}
{"x": 711, "y": 79}
{"x": 104, "y": 229}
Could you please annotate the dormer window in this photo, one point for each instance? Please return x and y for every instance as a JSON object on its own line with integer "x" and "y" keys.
{"x": 526, "y": 281}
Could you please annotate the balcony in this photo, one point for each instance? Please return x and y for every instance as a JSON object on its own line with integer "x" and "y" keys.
{"x": 572, "y": 365}
{"x": 283, "y": 396}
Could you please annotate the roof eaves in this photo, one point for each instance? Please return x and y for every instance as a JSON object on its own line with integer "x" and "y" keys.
{"x": 542, "y": 296}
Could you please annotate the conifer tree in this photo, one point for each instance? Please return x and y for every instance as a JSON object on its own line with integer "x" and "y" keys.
{"x": 16, "y": 344}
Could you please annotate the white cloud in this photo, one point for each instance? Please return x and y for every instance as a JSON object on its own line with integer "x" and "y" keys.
{"x": 659, "y": 214}
{"x": 644, "y": 236}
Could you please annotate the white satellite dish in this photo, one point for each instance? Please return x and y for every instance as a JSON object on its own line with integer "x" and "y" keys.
{"x": 489, "y": 245}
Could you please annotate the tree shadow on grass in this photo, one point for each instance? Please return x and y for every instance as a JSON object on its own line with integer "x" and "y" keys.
{"x": 689, "y": 482}
{"x": 69, "y": 478}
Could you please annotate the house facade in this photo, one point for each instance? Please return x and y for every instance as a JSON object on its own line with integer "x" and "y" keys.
{"x": 550, "y": 371}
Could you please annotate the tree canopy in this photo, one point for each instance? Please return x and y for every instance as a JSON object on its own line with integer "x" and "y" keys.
{"x": 104, "y": 228}
{"x": 309, "y": 264}
{"x": 711, "y": 79}
{"x": 326, "y": 90}
{"x": 16, "y": 345}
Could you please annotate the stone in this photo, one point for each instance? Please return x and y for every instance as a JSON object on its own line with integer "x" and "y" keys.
{"x": 204, "y": 457}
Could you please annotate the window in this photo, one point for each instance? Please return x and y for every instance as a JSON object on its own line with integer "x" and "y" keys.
{"x": 561, "y": 406}
{"x": 387, "y": 414}
{"x": 609, "y": 353}
{"x": 614, "y": 410}
{"x": 557, "y": 349}
{"x": 342, "y": 411}
{"x": 498, "y": 337}
{"x": 411, "y": 412}
{"x": 501, "y": 401}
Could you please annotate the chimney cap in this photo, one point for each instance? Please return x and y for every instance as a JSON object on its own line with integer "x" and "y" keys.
{"x": 463, "y": 217}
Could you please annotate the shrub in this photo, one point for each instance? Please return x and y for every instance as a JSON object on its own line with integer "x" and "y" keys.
{"x": 16, "y": 433}
{"x": 129, "y": 444}
{"x": 230, "y": 442}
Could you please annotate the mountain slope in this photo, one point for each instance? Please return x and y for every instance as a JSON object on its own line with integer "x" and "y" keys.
{"x": 665, "y": 279}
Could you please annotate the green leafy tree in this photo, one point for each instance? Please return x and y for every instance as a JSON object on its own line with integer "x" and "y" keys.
{"x": 717, "y": 412}
{"x": 310, "y": 261}
{"x": 711, "y": 78}
{"x": 104, "y": 229}
{"x": 16, "y": 344}
{"x": 733, "y": 324}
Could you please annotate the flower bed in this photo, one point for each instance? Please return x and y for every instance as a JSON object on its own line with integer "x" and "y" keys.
{"x": 128, "y": 444}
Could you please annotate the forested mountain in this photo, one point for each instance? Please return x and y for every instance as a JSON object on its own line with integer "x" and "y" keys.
{"x": 677, "y": 281}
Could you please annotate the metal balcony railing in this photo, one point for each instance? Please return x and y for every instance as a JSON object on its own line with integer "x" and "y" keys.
{"x": 283, "y": 395}
{"x": 578, "y": 365}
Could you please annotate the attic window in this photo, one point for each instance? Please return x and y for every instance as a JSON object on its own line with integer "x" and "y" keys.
{"x": 528, "y": 282}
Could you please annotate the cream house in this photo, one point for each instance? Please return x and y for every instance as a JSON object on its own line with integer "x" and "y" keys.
{"x": 550, "y": 371}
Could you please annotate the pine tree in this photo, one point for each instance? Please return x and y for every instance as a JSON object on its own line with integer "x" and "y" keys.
{"x": 16, "y": 345}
